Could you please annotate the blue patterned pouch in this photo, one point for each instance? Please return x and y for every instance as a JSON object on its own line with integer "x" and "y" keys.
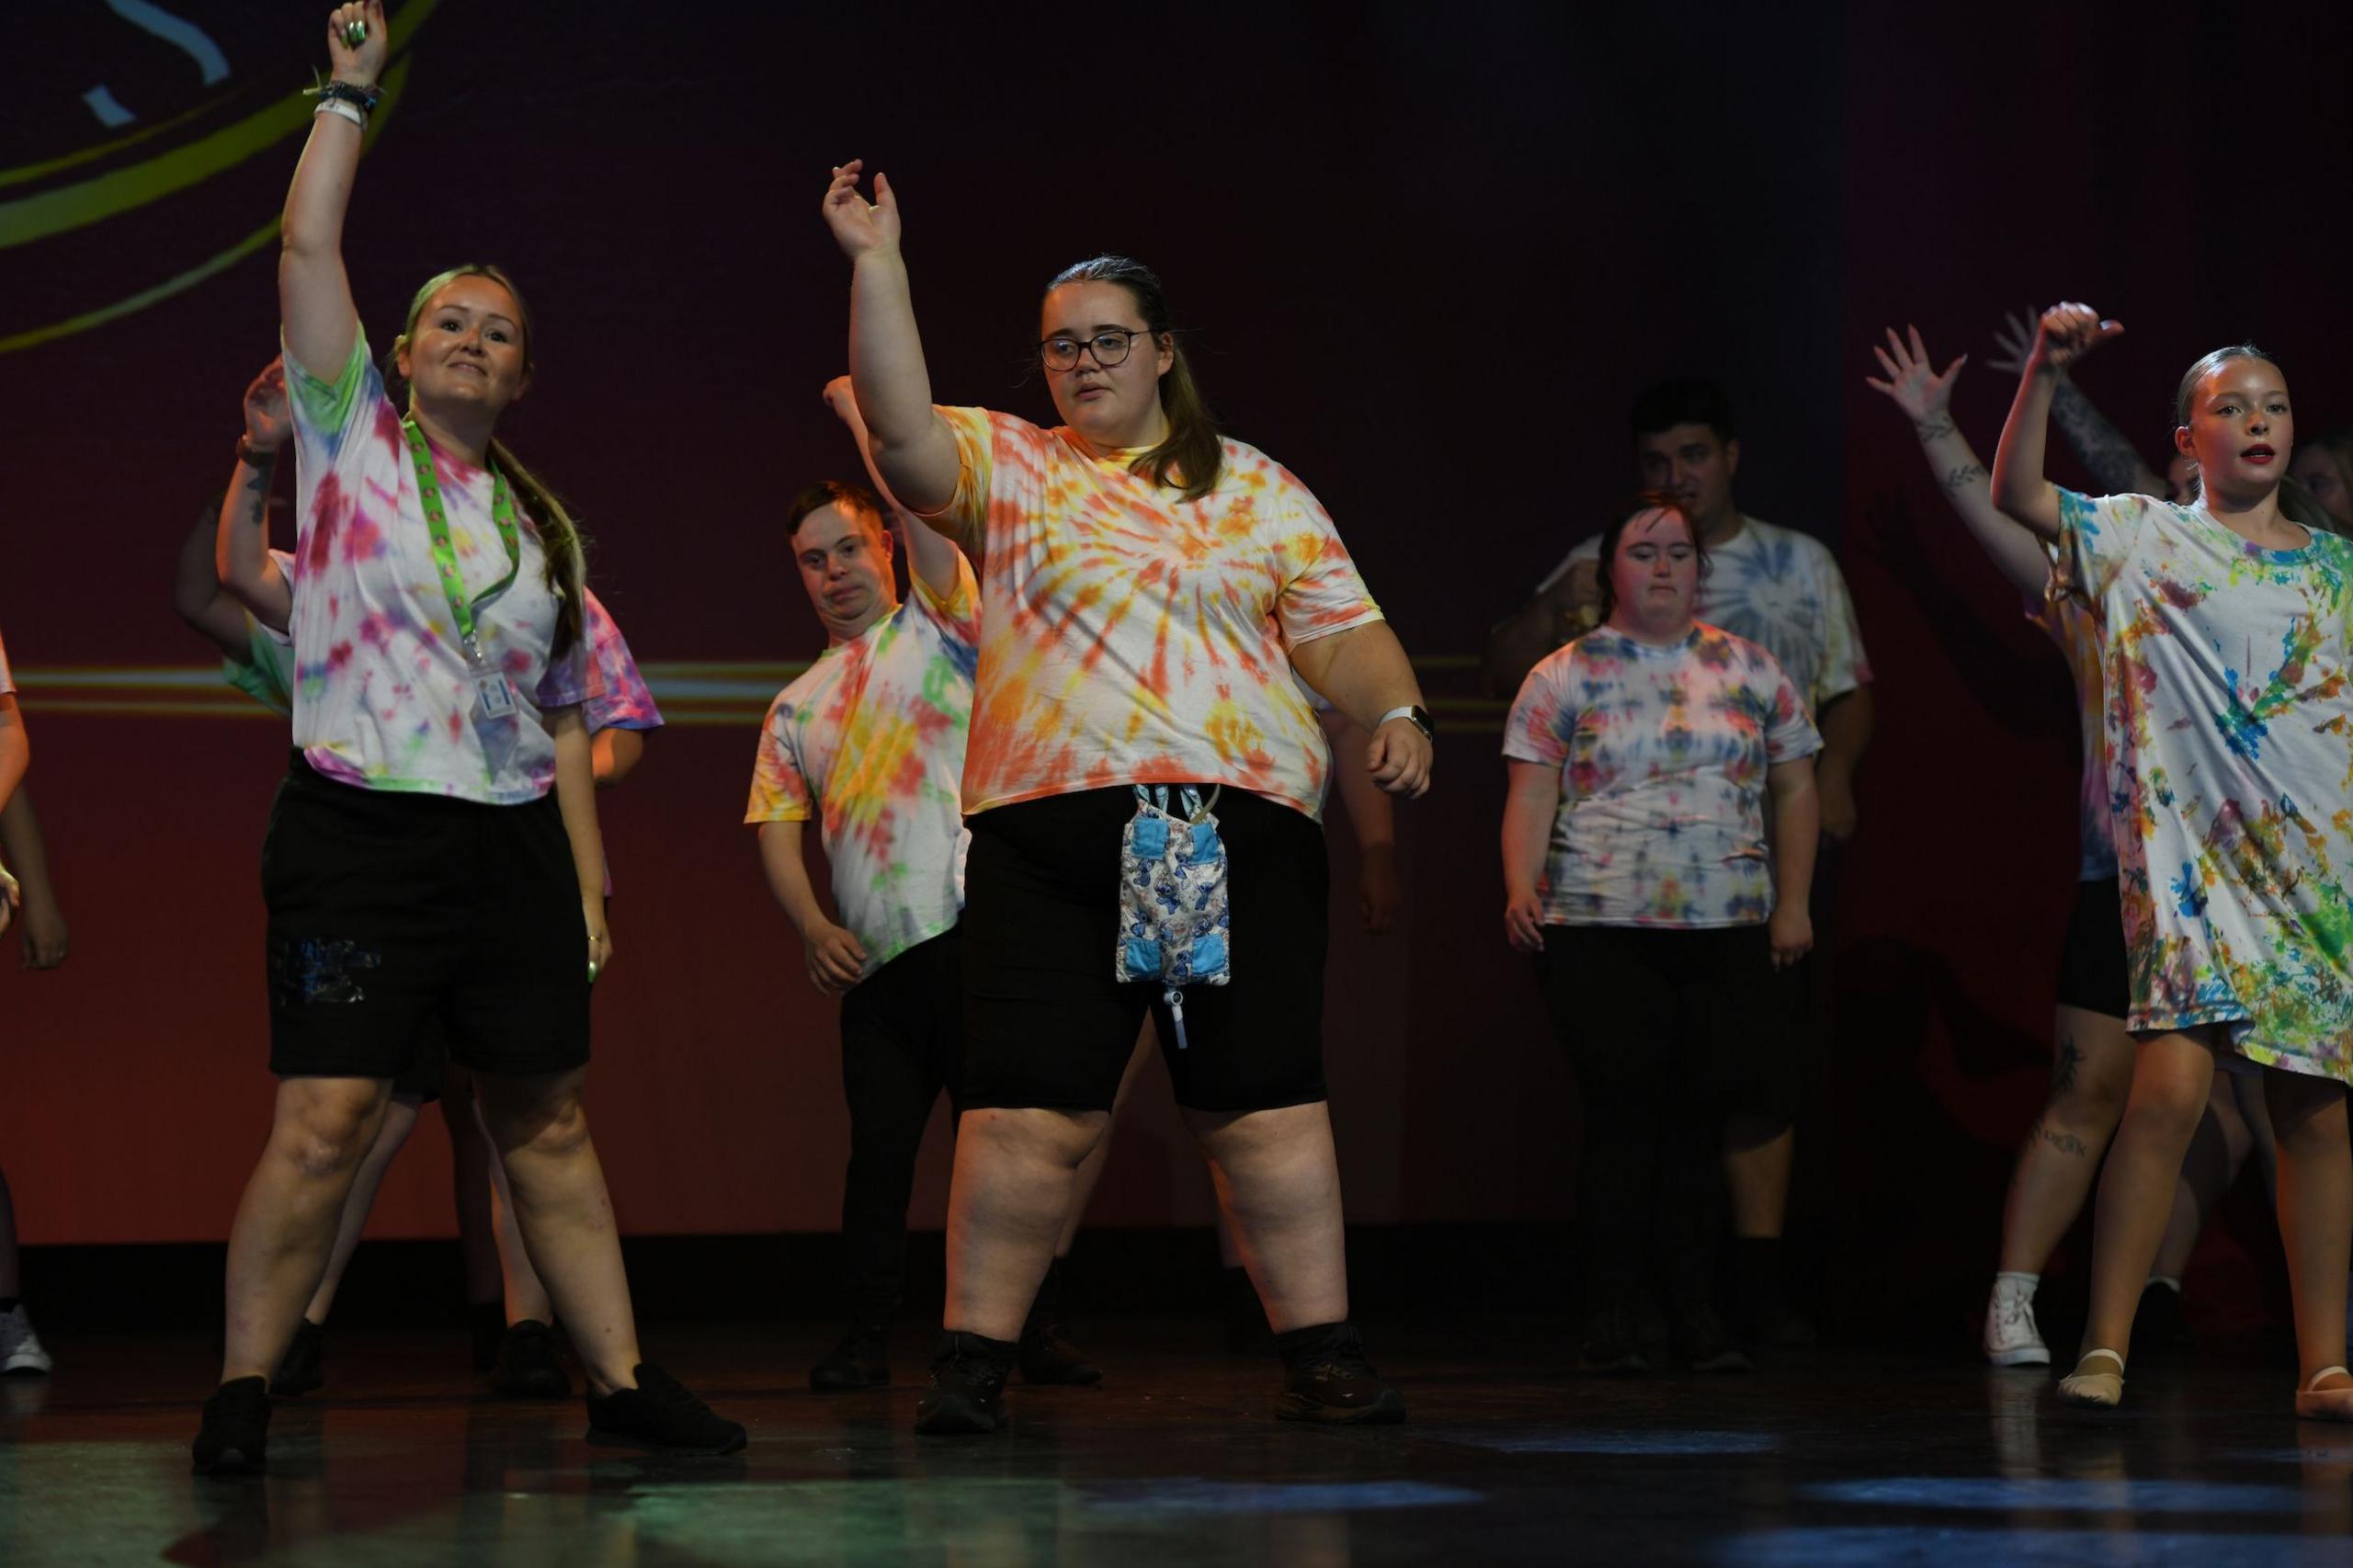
{"x": 1173, "y": 923}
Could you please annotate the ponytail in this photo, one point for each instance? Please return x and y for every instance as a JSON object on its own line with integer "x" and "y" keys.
{"x": 566, "y": 568}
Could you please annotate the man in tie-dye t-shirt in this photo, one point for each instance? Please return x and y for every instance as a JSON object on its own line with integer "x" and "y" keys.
{"x": 868, "y": 743}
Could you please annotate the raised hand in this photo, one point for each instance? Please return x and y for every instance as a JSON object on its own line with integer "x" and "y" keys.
{"x": 267, "y": 422}
{"x": 2014, "y": 340}
{"x": 2068, "y": 332}
{"x": 859, "y": 227}
{"x": 843, "y": 401}
{"x": 1913, "y": 384}
{"x": 363, "y": 66}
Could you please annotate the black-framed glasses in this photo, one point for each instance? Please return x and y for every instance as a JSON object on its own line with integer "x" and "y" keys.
{"x": 1110, "y": 347}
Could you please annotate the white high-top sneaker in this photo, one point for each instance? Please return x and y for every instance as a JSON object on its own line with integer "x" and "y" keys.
{"x": 20, "y": 1348}
{"x": 2011, "y": 1337}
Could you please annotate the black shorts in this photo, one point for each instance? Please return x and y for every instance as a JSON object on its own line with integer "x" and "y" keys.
{"x": 394, "y": 915}
{"x": 910, "y": 1011}
{"x": 428, "y": 1063}
{"x": 2094, "y": 973}
{"x": 1703, "y": 1009}
{"x": 1045, "y": 1022}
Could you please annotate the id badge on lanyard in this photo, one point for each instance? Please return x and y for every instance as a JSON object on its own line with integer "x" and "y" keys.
{"x": 495, "y": 705}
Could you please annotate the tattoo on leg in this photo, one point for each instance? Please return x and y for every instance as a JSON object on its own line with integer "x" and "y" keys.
{"x": 2065, "y": 1143}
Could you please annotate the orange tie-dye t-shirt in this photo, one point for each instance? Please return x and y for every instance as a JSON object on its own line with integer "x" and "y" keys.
{"x": 1131, "y": 637}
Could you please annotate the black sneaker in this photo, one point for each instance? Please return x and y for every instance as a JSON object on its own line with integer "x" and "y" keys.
{"x": 234, "y": 1438}
{"x": 1707, "y": 1345}
{"x": 299, "y": 1370}
{"x": 862, "y": 1360}
{"x": 529, "y": 1365}
{"x": 2159, "y": 1332}
{"x": 967, "y": 1392}
{"x": 1049, "y": 1356}
{"x": 1612, "y": 1346}
{"x": 1338, "y": 1387}
{"x": 660, "y": 1413}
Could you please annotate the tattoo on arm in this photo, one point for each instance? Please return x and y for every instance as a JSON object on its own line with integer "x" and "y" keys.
{"x": 1936, "y": 427}
{"x": 2065, "y": 1143}
{"x": 2115, "y": 466}
{"x": 2064, "y": 1060}
{"x": 1961, "y": 478}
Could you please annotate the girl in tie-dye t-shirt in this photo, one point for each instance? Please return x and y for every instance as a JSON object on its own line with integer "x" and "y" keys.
{"x": 2226, "y": 625}
{"x": 1147, "y": 588}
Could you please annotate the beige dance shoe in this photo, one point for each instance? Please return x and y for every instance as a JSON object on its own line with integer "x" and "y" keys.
{"x": 2105, "y": 1391}
{"x": 2324, "y": 1404}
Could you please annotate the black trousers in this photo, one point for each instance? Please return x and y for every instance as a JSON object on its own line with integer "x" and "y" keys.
{"x": 903, "y": 1040}
{"x": 1659, "y": 1025}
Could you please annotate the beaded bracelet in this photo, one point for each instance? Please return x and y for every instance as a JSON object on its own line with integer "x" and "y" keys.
{"x": 364, "y": 100}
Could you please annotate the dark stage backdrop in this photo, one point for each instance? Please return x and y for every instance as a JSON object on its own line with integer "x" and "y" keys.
{"x": 1427, "y": 254}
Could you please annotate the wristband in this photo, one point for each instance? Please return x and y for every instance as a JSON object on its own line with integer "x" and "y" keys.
{"x": 253, "y": 456}
{"x": 364, "y": 100}
{"x": 342, "y": 110}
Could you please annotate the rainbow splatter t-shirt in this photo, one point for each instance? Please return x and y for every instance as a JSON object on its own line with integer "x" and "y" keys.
{"x": 617, "y": 697}
{"x": 1129, "y": 637}
{"x": 382, "y": 697}
{"x": 2230, "y": 748}
{"x": 869, "y": 741}
{"x": 1663, "y": 753}
{"x": 2072, "y": 623}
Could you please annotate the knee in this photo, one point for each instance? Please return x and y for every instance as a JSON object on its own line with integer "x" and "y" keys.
{"x": 323, "y": 1138}
{"x": 552, "y": 1129}
{"x": 2091, "y": 1103}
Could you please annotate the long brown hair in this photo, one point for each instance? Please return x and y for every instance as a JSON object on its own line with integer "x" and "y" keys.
{"x": 566, "y": 571}
{"x": 1191, "y": 455}
{"x": 2297, "y": 504}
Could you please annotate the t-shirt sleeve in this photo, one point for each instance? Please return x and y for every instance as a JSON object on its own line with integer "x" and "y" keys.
{"x": 617, "y": 697}
{"x": 2096, "y": 539}
{"x": 1536, "y": 729}
{"x": 967, "y": 513}
{"x": 1586, "y": 549}
{"x": 780, "y": 789}
{"x": 266, "y": 672}
{"x": 564, "y": 683}
{"x": 958, "y": 615}
{"x": 332, "y": 420}
{"x": 1322, "y": 591}
{"x": 1844, "y": 665}
{"x": 1789, "y": 732}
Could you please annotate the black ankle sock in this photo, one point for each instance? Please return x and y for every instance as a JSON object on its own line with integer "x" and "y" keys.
{"x": 1305, "y": 1347}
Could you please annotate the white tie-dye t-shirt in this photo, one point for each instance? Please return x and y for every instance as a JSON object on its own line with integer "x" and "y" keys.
{"x": 382, "y": 695}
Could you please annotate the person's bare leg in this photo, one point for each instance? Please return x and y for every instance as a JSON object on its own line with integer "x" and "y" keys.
{"x": 391, "y": 1132}
{"x": 540, "y": 1130}
{"x": 320, "y": 1131}
{"x": 1090, "y": 1170}
{"x": 470, "y": 1158}
{"x": 1758, "y": 1156}
{"x": 2248, "y": 1092}
{"x": 2217, "y": 1150}
{"x": 2315, "y": 1214}
{"x": 2170, "y": 1084}
{"x": 525, "y": 1293}
{"x": 1015, "y": 1171}
{"x": 1279, "y": 1180}
{"x": 2091, "y": 1074}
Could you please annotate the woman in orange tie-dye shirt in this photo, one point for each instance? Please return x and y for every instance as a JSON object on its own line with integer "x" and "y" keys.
{"x": 1147, "y": 590}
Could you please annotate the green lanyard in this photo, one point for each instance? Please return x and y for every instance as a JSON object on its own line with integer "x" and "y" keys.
{"x": 445, "y": 556}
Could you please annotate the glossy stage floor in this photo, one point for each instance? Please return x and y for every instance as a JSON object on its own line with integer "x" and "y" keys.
{"x": 1821, "y": 1459}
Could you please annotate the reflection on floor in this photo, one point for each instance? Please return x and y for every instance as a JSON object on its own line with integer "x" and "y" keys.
{"x": 1822, "y": 1459}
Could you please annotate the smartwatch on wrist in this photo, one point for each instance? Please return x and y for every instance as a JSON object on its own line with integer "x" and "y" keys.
{"x": 1418, "y": 716}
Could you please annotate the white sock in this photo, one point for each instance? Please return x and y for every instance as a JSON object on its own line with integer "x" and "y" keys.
{"x": 2170, "y": 1281}
{"x": 2010, "y": 1282}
